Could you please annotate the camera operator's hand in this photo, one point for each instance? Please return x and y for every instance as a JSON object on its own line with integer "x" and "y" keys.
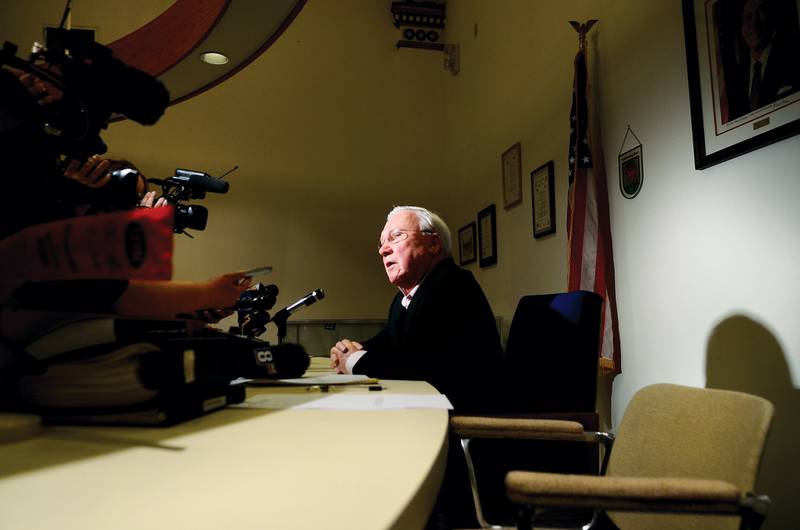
{"x": 224, "y": 290}
{"x": 92, "y": 173}
{"x": 149, "y": 200}
{"x": 199, "y": 320}
{"x": 45, "y": 93}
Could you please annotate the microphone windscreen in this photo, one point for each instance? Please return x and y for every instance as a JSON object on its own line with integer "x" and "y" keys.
{"x": 200, "y": 181}
{"x": 290, "y": 360}
{"x": 211, "y": 184}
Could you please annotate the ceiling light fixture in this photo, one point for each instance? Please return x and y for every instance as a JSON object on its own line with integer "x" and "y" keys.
{"x": 214, "y": 58}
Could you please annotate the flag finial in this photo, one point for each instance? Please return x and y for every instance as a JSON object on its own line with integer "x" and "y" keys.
{"x": 582, "y": 30}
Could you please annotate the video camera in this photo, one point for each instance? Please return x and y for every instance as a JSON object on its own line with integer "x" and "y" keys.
{"x": 95, "y": 85}
{"x": 184, "y": 185}
{"x": 90, "y": 87}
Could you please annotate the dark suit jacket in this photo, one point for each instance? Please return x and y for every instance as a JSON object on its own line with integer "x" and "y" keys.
{"x": 446, "y": 337}
{"x": 781, "y": 78}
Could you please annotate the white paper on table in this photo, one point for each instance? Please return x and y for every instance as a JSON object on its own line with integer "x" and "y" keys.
{"x": 347, "y": 401}
{"x": 326, "y": 379}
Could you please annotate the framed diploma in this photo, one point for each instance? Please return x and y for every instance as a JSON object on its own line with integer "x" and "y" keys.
{"x": 512, "y": 176}
{"x": 487, "y": 236}
{"x": 466, "y": 244}
{"x": 543, "y": 203}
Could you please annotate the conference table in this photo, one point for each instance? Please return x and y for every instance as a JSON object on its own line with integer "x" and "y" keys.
{"x": 237, "y": 468}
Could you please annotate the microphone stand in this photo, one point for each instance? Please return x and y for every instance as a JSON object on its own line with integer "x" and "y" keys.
{"x": 279, "y": 320}
{"x": 282, "y": 316}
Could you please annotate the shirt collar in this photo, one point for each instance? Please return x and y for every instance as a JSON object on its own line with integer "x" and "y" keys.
{"x": 407, "y": 298}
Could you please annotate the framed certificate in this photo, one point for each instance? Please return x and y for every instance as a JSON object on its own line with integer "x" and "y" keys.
{"x": 466, "y": 244}
{"x": 512, "y": 176}
{"x": 543, "y": 203}
{"x": 487, "y": 236}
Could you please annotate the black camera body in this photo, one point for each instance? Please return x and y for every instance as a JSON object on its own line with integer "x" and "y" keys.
{"x": 187, "y": 184}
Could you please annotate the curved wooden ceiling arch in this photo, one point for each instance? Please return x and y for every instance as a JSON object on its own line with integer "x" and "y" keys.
{"x": 168, "y": 43}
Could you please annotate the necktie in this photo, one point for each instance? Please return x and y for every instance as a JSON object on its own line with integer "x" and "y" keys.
{"x": 406, "y": 301}
{"x": 756, "y": 84}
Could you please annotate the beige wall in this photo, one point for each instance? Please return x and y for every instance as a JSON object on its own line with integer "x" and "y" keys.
{"x": 333, "y": 125}
{"x": 706, "y": 261}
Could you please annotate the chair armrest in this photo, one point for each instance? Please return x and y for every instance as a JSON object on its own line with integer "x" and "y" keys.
{"x": 518, "y": 428}
{"x": 493, "y": 427}
{"x": 623, "y": 493}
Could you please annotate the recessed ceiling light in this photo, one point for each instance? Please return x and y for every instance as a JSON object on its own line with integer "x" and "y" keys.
{"x": 214, "y": 58}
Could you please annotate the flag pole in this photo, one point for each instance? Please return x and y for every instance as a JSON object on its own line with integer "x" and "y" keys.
{"x": 582, "y": 30}
{"x": 589, "y": 246}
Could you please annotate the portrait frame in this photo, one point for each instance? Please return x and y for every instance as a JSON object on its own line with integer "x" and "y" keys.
{"x": 631, "y": 172}
{"x": 487, "y": 236}
{"x": 543, "y": 202}
{"x": 718, "y": 133}
{"x": 466, "y": 244}
{"x": 511, "y": 161}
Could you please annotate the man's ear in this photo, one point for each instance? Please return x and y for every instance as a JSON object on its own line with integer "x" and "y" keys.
{"x": 436, "y": 244}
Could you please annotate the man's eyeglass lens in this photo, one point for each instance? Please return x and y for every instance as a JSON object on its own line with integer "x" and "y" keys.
{"x": 400, "y": 235}
{"x": 394, "y": 237}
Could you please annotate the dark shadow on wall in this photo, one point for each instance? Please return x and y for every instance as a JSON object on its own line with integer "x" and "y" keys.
{"x": 743, "y": 355}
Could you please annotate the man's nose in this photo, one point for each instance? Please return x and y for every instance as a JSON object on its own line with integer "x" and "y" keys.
{"x": 385, "y": 249}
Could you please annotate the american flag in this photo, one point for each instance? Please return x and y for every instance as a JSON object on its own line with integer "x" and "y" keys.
{"x": 591, "y": 261}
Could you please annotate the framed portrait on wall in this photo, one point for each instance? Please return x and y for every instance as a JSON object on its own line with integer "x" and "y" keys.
{"x": 466, "y": 244}
{"x": 487, "y": 236}
{"x": 739, "y": 104}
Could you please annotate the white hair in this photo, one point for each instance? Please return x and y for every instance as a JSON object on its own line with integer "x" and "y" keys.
{"x": 428, "y": 222}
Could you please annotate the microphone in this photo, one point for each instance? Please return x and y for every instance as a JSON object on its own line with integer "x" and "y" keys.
{"x": 195, "y": 183}
{"x": 279, "y": 361}
{"x": 199, "y": 181}
{"x": 308, "y": 299}
{"x": 216, "y": 356}
{"x": 282, "y": 316}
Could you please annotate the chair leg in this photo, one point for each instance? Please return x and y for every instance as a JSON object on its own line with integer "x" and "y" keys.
{"x": 754, "y": 509}
{"x": 525, "y": 518}
{"x": 473, "y": 484}
{"x": 591, "y": 524}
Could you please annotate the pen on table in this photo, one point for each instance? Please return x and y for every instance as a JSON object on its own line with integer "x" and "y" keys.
{"x": 372, "y": 387}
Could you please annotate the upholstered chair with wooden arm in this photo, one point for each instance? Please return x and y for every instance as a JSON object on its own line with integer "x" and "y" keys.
{"x": 683, "y": 458}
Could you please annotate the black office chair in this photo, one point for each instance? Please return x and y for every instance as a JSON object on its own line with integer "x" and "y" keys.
{"x": 552, "y": 351}
{"x": 550, "y": 373}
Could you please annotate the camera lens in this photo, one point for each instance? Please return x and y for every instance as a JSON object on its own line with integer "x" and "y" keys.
{"x": 190, "y": 216}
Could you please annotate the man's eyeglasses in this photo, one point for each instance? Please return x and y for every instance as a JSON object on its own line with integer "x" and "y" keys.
{"x": 396, "y": 236}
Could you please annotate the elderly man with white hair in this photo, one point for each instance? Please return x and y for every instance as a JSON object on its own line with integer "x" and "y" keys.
{"x": 440, "y": 328}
